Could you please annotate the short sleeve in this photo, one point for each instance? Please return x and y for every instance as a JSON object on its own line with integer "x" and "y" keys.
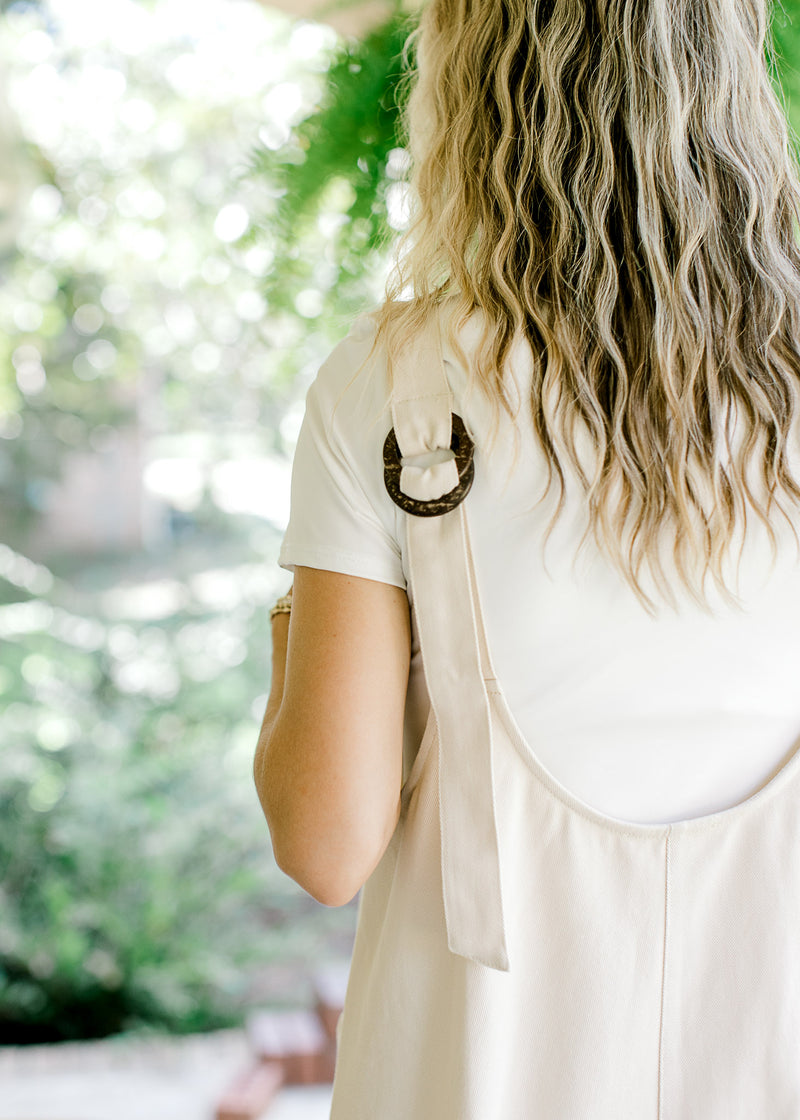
{"x": 341, "y": 517}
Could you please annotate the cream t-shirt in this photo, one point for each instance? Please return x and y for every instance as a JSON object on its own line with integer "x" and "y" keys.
{"x": 645, "y": 719}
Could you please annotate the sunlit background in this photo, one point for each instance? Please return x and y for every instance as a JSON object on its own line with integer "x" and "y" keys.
{"x": 196, "y": 196}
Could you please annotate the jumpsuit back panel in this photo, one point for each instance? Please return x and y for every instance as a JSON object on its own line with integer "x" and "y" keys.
{"x": 655, "y": 970}
{"x": 637, "y": 971}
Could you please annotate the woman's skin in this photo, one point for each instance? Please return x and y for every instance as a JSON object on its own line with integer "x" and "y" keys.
{"x": 328, "y": 765}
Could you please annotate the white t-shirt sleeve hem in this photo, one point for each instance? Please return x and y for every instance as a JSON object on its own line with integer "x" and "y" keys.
{"x": 336, "y": 560}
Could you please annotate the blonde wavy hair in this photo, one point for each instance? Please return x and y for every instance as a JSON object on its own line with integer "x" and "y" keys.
{"x": 612, "y": 181}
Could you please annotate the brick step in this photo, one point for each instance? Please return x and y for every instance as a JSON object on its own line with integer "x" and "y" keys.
{"x": 295, "y": 1040}
{"x": 290, "y": 1048}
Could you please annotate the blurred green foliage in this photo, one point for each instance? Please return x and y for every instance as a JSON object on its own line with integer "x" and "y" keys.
{"x": 137, "y": 883}
{"x": 128, "y": 289}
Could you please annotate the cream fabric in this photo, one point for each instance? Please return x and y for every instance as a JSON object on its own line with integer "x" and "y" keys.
{"x": 523, "y": 956}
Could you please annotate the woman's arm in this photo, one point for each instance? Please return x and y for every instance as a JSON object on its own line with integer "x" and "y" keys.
{"x": 328, "y": 765}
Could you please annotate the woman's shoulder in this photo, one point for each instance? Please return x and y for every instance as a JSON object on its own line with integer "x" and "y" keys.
{"x": 351, "y": 391}
{"x": 354, "y": 383}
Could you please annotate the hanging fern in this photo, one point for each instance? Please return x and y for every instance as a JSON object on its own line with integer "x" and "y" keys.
{"x": 335, "y": 161}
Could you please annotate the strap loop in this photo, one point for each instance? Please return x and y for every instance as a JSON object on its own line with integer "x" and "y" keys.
{"x": 452, "y": 643}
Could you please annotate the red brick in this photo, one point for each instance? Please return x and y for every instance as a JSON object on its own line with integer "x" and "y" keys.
{"x": 252, "y": 1092}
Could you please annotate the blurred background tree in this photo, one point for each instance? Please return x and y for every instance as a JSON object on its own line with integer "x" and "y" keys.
{"x": 196, "y": 196}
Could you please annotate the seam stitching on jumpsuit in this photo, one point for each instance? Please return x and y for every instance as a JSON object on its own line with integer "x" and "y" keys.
{"x": 663, "y": 974}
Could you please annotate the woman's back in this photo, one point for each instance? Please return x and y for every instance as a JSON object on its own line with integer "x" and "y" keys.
{"x": 649, "y": 719}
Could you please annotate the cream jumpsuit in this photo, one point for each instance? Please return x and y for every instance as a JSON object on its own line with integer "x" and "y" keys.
{"x": 521, "y": 956}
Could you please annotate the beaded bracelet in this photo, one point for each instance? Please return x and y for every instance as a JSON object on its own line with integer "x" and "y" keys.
{"x": 283, "y": 606}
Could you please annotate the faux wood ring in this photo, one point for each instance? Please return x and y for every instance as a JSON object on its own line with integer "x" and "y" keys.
{"x": 463, "y": 448}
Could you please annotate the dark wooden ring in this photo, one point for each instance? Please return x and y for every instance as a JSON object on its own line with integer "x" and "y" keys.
{"x": 463, "y": 448}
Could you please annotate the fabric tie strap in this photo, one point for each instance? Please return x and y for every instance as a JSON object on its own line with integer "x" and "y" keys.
{"x": 440, "y": 576}
{"x": 425, "y": 483}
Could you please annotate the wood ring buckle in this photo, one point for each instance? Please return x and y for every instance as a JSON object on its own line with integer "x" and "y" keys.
{"x": 463, "y": 448}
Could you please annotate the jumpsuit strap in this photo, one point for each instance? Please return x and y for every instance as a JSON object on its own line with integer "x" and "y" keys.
{"x": 455, "y": 657}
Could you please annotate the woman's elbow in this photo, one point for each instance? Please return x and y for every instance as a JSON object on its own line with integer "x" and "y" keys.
{"x": 330, "y": 886}
{"x": 331, "y": 869}
{"x": 329, "y": 858}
